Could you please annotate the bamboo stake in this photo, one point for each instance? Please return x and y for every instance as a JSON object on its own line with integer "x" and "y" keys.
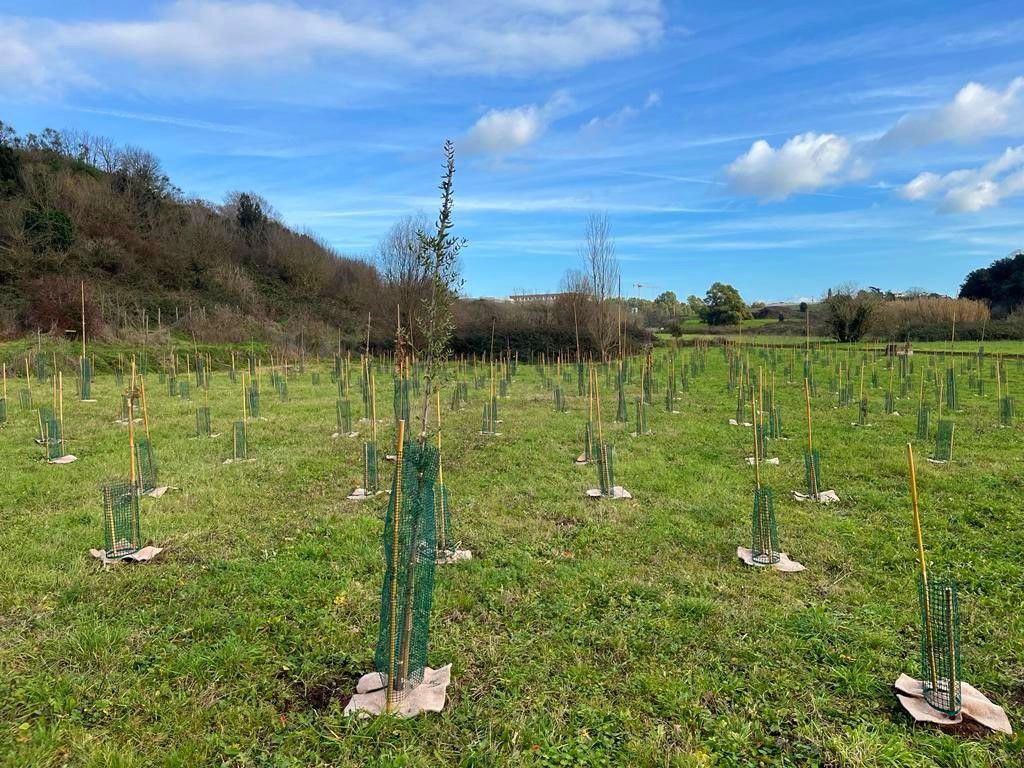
{"x": 83, "y": 320}
{"x": 393, "y": 591}
{"x": 60, "y": 401}
{"x": 759, "y": 413}
{"x": 373, "y": 410}
{"x": 765, "y": 545}
{"x": 810, "y": 439}
{"x": 951, "y": 642}
{"x": 590, "y": 395}
{"x": 443, "y": 544}
{"x": 999, "y": 390}
{"x": 131, "y": 428}
{"x": 923, "y": 564}
{"x": 145, "y": 408}
{"x": 757, "y": 447}
{"x": 410, "y": 588}
{"x": 368, "y": 316}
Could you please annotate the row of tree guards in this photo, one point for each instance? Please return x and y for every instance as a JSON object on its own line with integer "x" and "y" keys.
{"x": 418, "y": 521}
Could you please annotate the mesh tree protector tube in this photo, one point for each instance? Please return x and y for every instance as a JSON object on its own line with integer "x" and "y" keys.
{"x": 410, "y": 545}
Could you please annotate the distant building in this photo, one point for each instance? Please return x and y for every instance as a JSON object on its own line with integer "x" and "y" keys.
{"x": 529, "y": 298}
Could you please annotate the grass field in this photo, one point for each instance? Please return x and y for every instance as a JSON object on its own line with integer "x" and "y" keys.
{"x": 582, "y": 633}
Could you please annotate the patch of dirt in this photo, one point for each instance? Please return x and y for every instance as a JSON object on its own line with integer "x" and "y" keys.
{"x": 966, "y": 729}
{"x": 320, "y": 693}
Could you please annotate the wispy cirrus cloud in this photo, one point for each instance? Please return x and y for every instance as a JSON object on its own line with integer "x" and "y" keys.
{"x": 181, "y": 122}
{"x": 620, "y": 117}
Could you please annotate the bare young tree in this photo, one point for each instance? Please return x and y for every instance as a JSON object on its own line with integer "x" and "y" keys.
{"x": 399, "y": 260}
{"x": 575, "y": 299}
{"x": 601, "y": 269}
{"x": 439, "y": 258}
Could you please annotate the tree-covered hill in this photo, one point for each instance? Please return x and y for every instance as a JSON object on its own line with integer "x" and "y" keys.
{"x": 74, "y": 207}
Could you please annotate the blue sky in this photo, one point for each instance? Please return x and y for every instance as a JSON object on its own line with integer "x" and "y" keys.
{"x": 783, "y": 147}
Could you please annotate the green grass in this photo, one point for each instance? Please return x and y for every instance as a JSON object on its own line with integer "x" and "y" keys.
{"x": 582, "y": 633}
{"x": 757, "y": 339}
{"x": 991, "y": 347}
{"x": 695, "y": 325}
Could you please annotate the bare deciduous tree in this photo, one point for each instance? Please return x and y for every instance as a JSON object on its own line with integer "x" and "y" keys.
{"x": 601, "y": 271}
{"x": 399, "y": 260}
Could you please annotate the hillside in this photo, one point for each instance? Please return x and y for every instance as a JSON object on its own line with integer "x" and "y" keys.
{"x": 73, "y": 208}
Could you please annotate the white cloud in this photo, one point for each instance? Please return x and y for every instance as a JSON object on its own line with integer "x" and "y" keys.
{"x": 501, "y": 131}
{"x": 502, "y": 36}
{"x": 975, "y": 113}
{"x": 28, "y": 66}
{"x": 922, "y": 186}
{"x": 810, "y": 161}
{"x": 804, "y": 163}
{"x": 971, "y": 190}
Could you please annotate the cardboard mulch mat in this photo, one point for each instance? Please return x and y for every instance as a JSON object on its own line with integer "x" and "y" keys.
{"x": 823, "y": 497}
{"x": 159, "y": 491}
{"x": 143, "y": 555}
{"x": 785, "y": 565}
{"x": 361, "y": 494}
{"x": 429, "y": 696}
{"x": 453, "y": 556}
{"x": 974, "y": 706}
{"x": 618, "y": 492}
